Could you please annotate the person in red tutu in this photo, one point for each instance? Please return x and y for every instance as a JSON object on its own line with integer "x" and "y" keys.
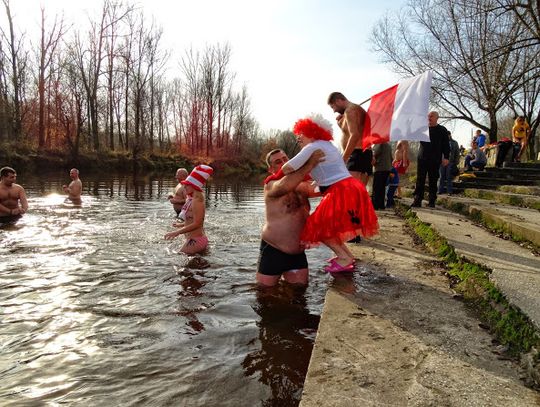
{"x": 345, "y": 211}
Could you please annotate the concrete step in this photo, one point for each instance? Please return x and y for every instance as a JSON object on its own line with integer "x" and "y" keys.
{"x": 515, "y": 199}
{"x": 506, "y": 175}
{"x": 533, "y": 165}
{"x": 480, "y": 180}
{"x": 520, "y": 189}
{"x": 515, "y": 269}
{"x": 509, "y": 172}
{"x": 520, "y": 223}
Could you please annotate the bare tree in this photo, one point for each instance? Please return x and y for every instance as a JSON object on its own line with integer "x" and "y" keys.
{"x": 89, "y": 57}
{"x": 48, "y": 45}
{"x": 527, "y": 13}
{"x": 147, "y": 61}
{"x": 456, "y": 40}
{"x": 17, "y": 58}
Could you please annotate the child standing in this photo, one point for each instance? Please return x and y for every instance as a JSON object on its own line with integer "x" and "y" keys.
{"x": 393, "y": 184}
{"x": 401, "y": 160}
{"x": 345, "y": 210}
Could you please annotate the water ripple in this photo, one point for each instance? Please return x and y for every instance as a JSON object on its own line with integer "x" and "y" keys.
{"x": 98, "y": 309}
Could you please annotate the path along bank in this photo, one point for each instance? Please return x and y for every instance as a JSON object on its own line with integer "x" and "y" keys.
{"x": 396, "y": 333}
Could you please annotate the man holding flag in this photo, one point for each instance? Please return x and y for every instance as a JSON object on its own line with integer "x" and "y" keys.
{"x": 399, "y": 113}
{"x": 353, "y": 120}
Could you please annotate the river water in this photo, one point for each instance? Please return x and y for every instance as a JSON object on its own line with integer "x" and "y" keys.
{"x": 98, "y": 309}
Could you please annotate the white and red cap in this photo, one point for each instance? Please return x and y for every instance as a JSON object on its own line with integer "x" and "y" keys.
{"x": 198, "y": 176}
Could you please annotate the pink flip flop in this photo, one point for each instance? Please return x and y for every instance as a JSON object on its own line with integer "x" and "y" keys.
{"x": 331, "y": 259}
{"x": 335, "y": 267}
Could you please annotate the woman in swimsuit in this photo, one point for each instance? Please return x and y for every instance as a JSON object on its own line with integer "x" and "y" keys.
{"x": 193, "y": 212}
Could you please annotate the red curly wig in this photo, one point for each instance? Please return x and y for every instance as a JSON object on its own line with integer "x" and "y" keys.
{"x": 314, "y": 128}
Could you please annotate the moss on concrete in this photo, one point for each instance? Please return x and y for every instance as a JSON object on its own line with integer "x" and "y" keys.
{"x": 509, "y": 197}
{"x": 491, "y": 223}
{"x": 510, "y": 326}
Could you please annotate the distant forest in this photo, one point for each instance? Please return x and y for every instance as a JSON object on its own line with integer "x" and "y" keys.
{"x": 104, "y": 88}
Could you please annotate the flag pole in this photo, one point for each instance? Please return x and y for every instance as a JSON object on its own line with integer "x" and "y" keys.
{"x": 365, "y": 101}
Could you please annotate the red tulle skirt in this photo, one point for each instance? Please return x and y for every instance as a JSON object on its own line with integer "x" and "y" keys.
{"x": 344, "y": 212}
{"x": 400, "y": 167}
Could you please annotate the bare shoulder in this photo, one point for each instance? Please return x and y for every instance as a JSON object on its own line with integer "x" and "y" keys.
{"x": 271, "y": 190}
{"x": 354, "y": 113}
{"x": 18, "y": 188}
{"x": 355, "y": 109}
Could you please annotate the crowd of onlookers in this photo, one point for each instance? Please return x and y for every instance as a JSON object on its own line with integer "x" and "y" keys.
{"x": 507, "y": 149}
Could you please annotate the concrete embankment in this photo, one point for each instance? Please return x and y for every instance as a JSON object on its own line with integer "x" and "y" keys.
{"x": 520, "y": 223}
{"x": 395, "y": 334}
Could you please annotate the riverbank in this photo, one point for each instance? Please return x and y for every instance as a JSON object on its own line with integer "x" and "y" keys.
{"x": 397, "y": 333}
{"x": 26, "y": 158}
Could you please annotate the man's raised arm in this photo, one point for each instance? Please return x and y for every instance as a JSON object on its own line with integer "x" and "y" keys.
{"x": 290, "y": 181}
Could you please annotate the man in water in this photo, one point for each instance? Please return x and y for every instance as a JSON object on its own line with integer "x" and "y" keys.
{"x": 74, "y": 189}
{"x": 286, "y": 209}
{"x": 13, "y": 203}
{"x": 179, "y": 198}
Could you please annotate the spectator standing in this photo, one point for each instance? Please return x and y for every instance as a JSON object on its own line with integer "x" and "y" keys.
{"x": 520, "y": 135}
{"x": 432, "y": 154}
{"x": 382, "y": 164}
{"x": 393, "y": 183}
{"x": 401, "y": 160}
{"x": 480, "y": 138}
{"x": 448, "y": 172}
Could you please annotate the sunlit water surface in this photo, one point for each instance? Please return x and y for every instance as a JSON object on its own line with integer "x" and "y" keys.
{"x": 98, "y": 309}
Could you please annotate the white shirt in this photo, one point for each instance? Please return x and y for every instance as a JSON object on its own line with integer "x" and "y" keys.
{"x": 327, "y": 172}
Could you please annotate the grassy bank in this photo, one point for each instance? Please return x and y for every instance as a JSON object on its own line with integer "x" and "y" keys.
{"x": 29, "y": 159}
{"x": 509, "y": 325}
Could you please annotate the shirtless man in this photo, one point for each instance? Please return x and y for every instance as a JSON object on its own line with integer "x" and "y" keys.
{"x": 287, "y": 208}
{"x": 351, "y": 120}
{"x": 11, "y": 195}
{"x": 179, "y": 198}
{"x": 74, "y": 189}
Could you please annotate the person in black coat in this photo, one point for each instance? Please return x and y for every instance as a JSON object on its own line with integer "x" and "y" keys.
{"x": 431, "y": 156}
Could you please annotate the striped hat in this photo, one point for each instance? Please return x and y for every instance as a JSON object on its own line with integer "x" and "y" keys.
{"x": 198, "y": 176}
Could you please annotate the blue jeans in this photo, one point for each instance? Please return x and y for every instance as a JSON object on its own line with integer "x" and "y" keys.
{"x": 469, "y": 163}
{"x": 445, "y": 180}
{"x": 390, "y": 195}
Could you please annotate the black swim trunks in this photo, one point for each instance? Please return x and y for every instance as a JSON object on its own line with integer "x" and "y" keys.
{"x": 274, "y": 262}
{"x": 9, "y": 220}
{"x": 360, "y": 161}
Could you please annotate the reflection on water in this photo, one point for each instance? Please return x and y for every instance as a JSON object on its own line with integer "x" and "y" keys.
{"x": 98, "y": 309}
{"x": 286, "y": 331}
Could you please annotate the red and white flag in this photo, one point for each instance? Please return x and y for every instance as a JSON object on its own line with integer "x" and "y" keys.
{"x": 399, "y": 112}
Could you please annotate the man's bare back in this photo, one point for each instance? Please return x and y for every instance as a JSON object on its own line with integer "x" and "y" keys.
{"x": 351, "y": 123}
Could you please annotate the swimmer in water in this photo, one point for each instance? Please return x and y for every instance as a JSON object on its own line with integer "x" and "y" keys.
{"x": 193, "y": 212}
{"x": 74, "y": 189}
{"x": 13, "y": 202}
{"x": 178, "y": 199}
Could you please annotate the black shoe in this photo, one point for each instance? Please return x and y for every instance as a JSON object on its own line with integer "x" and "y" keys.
{"x": 356, "y": 239}
{"x": 416, "y": 204}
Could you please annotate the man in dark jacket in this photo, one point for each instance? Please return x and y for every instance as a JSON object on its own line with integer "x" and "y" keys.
{"x": 431, "y": 156}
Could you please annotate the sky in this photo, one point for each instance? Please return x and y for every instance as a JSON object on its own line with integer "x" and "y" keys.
{"x": 291, "y": 54}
